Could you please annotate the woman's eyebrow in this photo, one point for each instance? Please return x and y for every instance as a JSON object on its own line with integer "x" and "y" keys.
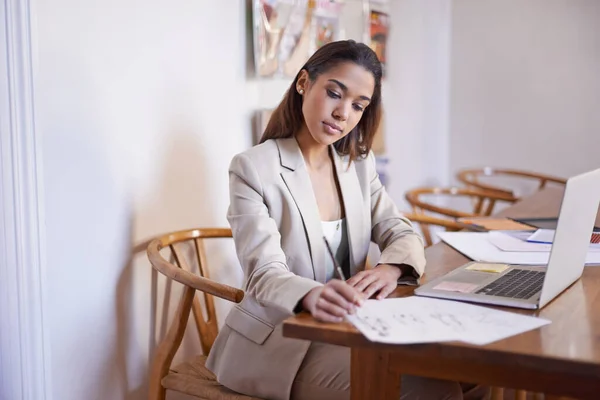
{"x": 345, "y": 88}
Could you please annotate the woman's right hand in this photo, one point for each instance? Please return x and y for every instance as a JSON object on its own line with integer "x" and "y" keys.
{"x": 333, "y": 301}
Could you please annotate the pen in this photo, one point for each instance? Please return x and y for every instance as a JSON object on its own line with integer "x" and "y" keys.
{"x": 335, "y": 264}
{"x": 471, "y": 226}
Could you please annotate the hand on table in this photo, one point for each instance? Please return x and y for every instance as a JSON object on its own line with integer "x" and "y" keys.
{"x": 381, "y": 280}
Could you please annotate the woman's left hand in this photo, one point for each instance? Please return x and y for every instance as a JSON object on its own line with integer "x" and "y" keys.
{"x": 381, "y": 279}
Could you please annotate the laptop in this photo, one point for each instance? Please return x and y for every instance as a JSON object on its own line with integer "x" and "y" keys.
{"x": 526, "y": 286}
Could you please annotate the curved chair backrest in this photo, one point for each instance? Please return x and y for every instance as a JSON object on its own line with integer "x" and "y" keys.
{"x": 179, "y": 270}
{"x": 425, "y": 221}
{"x": 482, "y": 203}
{"x": 473, "y": 178}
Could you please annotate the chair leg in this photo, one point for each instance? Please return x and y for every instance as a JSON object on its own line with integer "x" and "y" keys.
{"x": 167, "y": 348}
{"x": 520, "y": 395}
{"x": 497, "y": 393}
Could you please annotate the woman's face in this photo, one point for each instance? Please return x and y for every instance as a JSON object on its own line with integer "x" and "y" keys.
{"x": 334, "y": 103}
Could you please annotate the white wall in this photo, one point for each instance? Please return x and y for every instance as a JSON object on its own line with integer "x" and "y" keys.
{"x": 141, "y": 106}
{"x": 416, "y": 93}
{"x": 525, "y": 85}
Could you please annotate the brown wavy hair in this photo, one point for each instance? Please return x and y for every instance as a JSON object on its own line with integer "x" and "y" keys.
{"x": 287, "y": 119}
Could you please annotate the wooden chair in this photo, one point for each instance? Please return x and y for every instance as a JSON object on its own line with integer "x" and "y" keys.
{"x": 473, "y": 178}
{"x": 191, "y": 377}
{"x": 425, "y": 221}
{"x": 481, "y": 203}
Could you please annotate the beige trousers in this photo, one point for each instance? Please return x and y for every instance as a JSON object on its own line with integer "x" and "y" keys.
{"x": 325, "y": 374}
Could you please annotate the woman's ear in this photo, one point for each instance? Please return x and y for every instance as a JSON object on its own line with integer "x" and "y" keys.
{"x": 303, "y": 82}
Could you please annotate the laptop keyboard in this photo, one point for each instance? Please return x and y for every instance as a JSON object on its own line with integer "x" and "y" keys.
{"x": 516, "y": 284}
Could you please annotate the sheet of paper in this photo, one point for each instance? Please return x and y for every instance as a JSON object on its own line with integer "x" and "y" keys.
{"x": 542, "y": 236}
{"x": 546, "y": 236}
{"x": 510, "y": 243}
{"x": 507, "y": 242}
{"x": 424, "y": 320}
{"x": 477, "y": 246}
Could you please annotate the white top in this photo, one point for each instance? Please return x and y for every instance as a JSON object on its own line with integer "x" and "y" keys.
{"x": 337, "y": 236}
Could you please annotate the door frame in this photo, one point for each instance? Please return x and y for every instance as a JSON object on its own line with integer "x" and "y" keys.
{"x": 24, "y": 344}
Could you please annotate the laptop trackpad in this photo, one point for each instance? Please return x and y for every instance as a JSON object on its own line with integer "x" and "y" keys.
{"x": 477, "y": 278}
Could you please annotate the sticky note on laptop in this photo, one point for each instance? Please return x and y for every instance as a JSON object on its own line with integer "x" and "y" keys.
{"x": 487, "y": 267}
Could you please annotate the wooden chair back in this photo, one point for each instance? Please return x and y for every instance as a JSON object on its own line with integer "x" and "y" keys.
{"x": 179, "y": 270}
{"x": 482, "y": 204}
{"x": 425, "y": 221}
{"x": 473, "y": 178}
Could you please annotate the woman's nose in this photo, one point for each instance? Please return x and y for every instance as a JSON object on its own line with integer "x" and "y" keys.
{"x": 341, "y": 112}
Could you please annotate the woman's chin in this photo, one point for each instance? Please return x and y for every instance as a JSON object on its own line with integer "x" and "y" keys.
{"x": 329, "y": 138}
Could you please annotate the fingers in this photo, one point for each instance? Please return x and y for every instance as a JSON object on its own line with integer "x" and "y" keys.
{"x": 366, "y": 281}
{"x": 331, "y": 295}
{"x": 372, "y": 281}
{"x": 323, "y": 316}
{"x": 356, "y": 278}
{"x": 331, "y": 310}
{"x": 336, "y": 300}
{"x": 349, "y": 293}
{"x": 386, "y": 290}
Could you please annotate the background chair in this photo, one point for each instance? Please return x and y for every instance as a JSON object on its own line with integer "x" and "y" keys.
{"x": 479, "y": 178}
{"x": 425, "y": 221}
{"x": 191, "y": 377}
{"x": 436, "y": 200}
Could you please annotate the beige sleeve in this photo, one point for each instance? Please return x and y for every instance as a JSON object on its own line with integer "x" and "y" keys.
{"x": 258, "y": 242}
{"x": 394, "y": 234}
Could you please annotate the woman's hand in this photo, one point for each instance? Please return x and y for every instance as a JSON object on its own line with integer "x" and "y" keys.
{"x": 382, "y": 279}
{"x": 333, "y": 301}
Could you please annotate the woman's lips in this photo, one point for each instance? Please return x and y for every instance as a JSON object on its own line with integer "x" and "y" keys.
{"x": 332, "y": 128}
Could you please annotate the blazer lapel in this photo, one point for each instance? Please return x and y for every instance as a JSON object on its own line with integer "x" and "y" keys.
{"x": 353, "y": 206}
{"x": 295, "y": 175}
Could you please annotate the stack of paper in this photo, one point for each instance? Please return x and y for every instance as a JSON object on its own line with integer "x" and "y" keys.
{"x": 547, "y": 236}
{"x": 421, "y": 320}
{"x": 505, "y": 247}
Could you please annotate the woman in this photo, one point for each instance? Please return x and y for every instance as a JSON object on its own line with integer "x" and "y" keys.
{"x": 313, "y": 175}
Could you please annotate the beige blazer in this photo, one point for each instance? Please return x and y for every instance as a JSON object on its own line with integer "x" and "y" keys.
{"x": 277, "y": 233}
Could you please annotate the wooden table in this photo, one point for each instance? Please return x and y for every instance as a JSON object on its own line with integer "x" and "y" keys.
{"x": 562, "y": 358}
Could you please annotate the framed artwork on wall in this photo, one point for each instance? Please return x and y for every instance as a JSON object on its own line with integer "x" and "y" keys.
{"x": 288, "y": 32}
{"x": 378, "y": 34}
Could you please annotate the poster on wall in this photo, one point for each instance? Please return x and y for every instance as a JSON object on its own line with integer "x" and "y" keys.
{"x": 288, "y": 32}
{"x": 270, "y": 19}
{"x": 326, "y": 26}
{"x": 379, "y": 29}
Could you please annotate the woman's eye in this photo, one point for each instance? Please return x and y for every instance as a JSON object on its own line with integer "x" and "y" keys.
{"x": 358, "y": 107}
{"x": 333, "y": 94}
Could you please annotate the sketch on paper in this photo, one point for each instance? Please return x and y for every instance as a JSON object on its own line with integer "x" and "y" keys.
{"x": 423, "y": 320}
